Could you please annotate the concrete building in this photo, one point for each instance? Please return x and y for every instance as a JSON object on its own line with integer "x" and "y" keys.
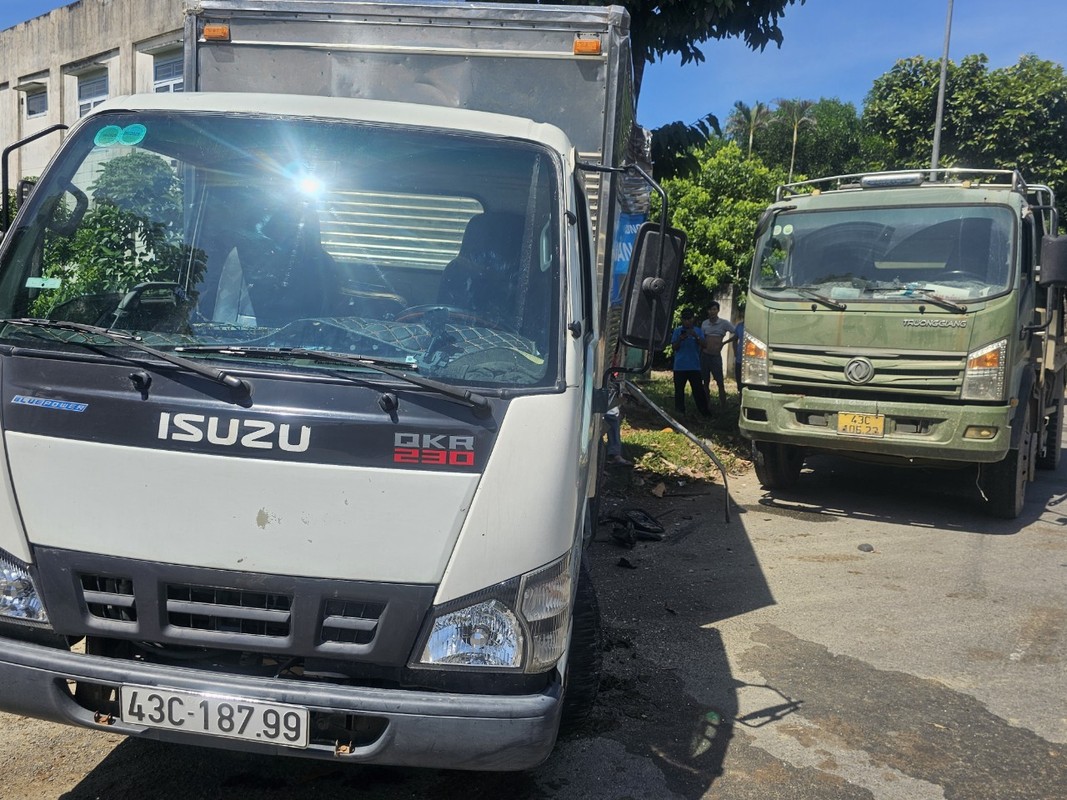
{"x": 58, "y": 66}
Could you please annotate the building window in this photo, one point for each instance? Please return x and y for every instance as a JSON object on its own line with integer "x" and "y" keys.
{"x": 167, "y": 73}
{"x": 92, "y": 91}
{"x": 37, "y": 104}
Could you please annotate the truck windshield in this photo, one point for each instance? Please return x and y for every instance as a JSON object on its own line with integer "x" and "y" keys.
{"x": 438, "y": 251}
{"x": 952, "y": 254}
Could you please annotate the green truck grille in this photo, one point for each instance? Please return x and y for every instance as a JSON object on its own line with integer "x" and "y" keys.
{"x": 921, "y": 373}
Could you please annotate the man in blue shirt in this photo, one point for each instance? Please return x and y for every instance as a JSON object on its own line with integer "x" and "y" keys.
{"x": 688, "y": 342}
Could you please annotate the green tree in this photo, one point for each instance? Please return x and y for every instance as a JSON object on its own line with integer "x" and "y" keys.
{"x": 1009, "y": 118}
{"x": 794, "y": 114}
{"x": 745, "y": 120}
{"x": 129, "y": 235}
{"x": 831, "y": 146}
{"x": 674, "y": 145}
{"x": 718, "y": 206}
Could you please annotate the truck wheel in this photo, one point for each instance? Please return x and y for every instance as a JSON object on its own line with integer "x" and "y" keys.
{"x": 778, "y": 465}
{"x": 1050, "y": 458}
{"x": 583, "y": 662}
{"x": 1004, "y": 482}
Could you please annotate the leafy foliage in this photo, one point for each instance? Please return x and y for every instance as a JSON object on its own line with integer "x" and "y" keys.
{"x": 794, "y": 114}
{"x": 674, "y": 145}
{"x": 831, "y": 146}
{"x": 129, "y": 235}
{"x": 745, "y": 121}
{"x": 718, "y": 207}
{"x": 1009, "y": 118}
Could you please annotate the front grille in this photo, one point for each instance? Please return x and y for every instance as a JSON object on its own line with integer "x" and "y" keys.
{"x": 349, "y": 622}
{"x": 208, "y": 608}
{"x": 109, "y": 597}
{"x": 182, "y": 607}
{"x": 913, "y": 373}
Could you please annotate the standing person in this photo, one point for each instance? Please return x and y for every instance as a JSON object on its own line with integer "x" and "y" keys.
{"x": 715, "y": 330}
{"x": 688, "y": 341}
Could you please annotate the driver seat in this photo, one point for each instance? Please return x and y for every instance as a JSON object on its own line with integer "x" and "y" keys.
{"x": 484, "y": 276}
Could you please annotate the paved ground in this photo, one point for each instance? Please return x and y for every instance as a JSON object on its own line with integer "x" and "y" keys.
{"x": 872, "y": 636}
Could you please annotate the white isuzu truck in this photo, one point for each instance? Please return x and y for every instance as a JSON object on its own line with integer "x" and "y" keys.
{"x": 300, "y": 377}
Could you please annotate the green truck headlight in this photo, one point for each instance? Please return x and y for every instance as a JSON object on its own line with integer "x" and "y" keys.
{"x": 983, "y": 378}
{"x": 754, "y": 363}
{"x": 19, "y": 599}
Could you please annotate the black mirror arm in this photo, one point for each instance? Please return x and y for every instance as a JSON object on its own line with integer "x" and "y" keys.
{"x": 5, "y": 203}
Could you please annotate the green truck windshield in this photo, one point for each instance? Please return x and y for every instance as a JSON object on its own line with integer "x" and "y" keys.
{"x": 956, "y": 253}
{"x": 433, "y": 250}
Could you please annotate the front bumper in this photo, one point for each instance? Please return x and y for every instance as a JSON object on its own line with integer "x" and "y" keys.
{"x": 421, "y": 729}
{"x": 921, "y": 431}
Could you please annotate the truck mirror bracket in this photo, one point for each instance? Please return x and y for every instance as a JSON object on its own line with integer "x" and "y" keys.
{"x": 5, "y": 187}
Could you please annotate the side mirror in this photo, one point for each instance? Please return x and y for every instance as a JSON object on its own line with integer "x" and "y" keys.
{"x": 1053, "y": 261}
{"x": 652, "y": 287}
{"x": 25, "y": 186}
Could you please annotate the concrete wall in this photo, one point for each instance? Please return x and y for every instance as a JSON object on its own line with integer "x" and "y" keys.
{"x": 78, "y": 42}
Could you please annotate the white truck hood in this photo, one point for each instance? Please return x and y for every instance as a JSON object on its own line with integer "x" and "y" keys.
{"x": 232, "y": 513}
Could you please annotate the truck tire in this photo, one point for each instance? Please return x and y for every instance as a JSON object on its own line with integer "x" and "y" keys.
{"x": 1004, "y": 482}
{"x": 1049, "y": 458}
{"x": 582, "y": 681}
{"x": 778, "y": 465}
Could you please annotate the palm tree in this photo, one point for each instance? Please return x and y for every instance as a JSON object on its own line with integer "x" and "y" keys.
{"x": 795, "y": 113}
{"x": 745, "y": 120}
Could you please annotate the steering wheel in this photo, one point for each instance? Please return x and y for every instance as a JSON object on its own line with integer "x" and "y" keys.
{"x": 450, "y": 313}
{"x": 962, "y": 274}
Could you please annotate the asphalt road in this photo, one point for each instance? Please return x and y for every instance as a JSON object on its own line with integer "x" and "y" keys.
{"x": 873, "y": 635}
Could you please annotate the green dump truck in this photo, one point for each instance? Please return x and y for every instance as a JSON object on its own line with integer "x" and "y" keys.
{"x": 909, "y": 318}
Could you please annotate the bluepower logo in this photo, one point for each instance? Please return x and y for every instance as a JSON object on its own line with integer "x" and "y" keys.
{"x": 257, "y": 434}
{"x": 44, "y": 402}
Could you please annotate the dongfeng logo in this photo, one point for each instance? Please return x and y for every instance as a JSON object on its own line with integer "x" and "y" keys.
{"x": 859, "y": 371}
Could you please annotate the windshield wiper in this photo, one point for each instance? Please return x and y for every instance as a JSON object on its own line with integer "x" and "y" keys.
{"x": 929, "y": 296}
{"x": 130, "y": 340}
{"x": 394, "y": 369}
{"x": 819, "y": 298}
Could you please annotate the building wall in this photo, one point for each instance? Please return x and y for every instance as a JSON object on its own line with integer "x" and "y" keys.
{"x": 74, "y": 47}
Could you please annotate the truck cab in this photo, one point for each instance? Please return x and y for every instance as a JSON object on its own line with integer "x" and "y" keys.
{"x": 907, "y": 318}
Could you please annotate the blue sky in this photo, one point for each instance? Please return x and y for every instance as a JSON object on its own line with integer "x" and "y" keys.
{"x": 832, "y": 48}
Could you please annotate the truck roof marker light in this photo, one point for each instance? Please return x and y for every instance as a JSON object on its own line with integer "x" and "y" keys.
{"x": 216, "y": 32}
{"x": 892, "y": 179}
{"x": 586, "y": 45}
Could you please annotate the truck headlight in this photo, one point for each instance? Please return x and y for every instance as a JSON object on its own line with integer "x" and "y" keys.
{"x": 754, "y": 369}
{"x": 520, "y": 624}
{"x": 983, "y": 379}
{"x": 19, "y": 599}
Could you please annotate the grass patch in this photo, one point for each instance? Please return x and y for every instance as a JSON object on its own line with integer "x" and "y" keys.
{"x": 655, "y": 447}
